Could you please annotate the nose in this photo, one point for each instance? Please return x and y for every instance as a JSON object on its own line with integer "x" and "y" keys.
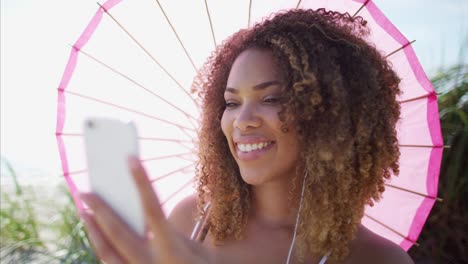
{"x": 247, "y": 118}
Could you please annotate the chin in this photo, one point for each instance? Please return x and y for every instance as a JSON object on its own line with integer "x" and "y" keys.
{"x": 253, "y": 178}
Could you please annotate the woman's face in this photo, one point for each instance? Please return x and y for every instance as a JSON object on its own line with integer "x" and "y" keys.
{"x": 250, "y": 121}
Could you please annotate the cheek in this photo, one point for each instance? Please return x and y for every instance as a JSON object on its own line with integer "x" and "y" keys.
{"x": 225, "y": 124}
{"x": 271, "y": 117}
{"x": 292, "y": 144}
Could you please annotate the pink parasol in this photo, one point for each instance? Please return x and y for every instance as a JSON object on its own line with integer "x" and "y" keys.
{"x": 136, "y": 60}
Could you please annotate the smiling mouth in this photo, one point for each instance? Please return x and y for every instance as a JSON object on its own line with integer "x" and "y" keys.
{"x": 247, "y": 148}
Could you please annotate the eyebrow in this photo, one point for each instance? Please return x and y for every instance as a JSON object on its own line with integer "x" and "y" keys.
{"x": 257, "y": 87}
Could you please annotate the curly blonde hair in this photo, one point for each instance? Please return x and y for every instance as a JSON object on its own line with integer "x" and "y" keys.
{"x": 341, "y": 98}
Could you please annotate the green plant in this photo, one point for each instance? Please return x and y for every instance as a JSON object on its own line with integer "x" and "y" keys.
{"x": 73, "y": 240}
{"x": 19, "y": 225}
{"x": 21, "y": 228}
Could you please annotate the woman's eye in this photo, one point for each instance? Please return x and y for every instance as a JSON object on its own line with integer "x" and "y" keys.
{"x": 230, "y": 104}
{"x": 273, "y": 100}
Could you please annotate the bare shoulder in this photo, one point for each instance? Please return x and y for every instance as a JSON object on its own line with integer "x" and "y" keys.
{"x": 182, "y": 217}
{"x": 369, "y": 247}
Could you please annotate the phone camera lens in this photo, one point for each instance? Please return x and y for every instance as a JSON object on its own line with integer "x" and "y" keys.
{"x": 90, "y": 124}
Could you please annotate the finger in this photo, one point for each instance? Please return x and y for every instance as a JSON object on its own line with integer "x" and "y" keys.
{"x": 103, "y": 249}
{"x": 127, "y": 243}
{"x": 155, "y": 218}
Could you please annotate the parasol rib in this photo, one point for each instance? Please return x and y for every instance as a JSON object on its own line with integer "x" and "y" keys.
{"x": 414, "y": 192}
{"x": 136, "y": 83}
{"x": 400, "y": 48}
{"x": 167, "y": 139}
{"x": 177, "y": 191}
{"x": 68, "y": 134}
{"x": 139, "y": 138}
{"x": 171, "y": 173}
{"x": 391, "y": 229}
{"x": 211, "y": 23}
{"x": 181, "y": 155}
{"x": 362, "y": 6}
{"x": 177, "y": 36}
{"x": 250, "y": 12}
{"x": 187, "y": 147}
{"x": 187, "y": 158}
{"x": 129, "y": 110}
{"x": 149, "y": 54}
{"x": 417, "y": 98}
{"x": 298, "y": 3}
{"x": 74, "y": 172}
{"x": 180, "y": 142}
{"x": 423, "y": 146}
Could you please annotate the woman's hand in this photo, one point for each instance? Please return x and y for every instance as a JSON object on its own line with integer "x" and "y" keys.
{"x": 115, "y": 242}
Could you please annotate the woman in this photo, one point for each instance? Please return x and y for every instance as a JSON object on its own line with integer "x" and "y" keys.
{"x": 297, "y": 136}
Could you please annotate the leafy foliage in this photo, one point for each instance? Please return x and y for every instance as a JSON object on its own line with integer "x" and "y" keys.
{"x": 22, "y": 236}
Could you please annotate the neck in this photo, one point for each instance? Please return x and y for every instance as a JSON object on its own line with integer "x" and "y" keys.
{"x": 273, "y": 204}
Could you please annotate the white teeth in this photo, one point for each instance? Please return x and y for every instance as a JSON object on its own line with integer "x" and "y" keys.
{"x": 252, "y": 147}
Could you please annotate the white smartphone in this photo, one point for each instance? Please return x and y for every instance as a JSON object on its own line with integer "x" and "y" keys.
{"x": 108, "y": 144}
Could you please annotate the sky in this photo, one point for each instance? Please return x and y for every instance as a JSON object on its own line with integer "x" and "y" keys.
{"x": 35, "y": 39}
